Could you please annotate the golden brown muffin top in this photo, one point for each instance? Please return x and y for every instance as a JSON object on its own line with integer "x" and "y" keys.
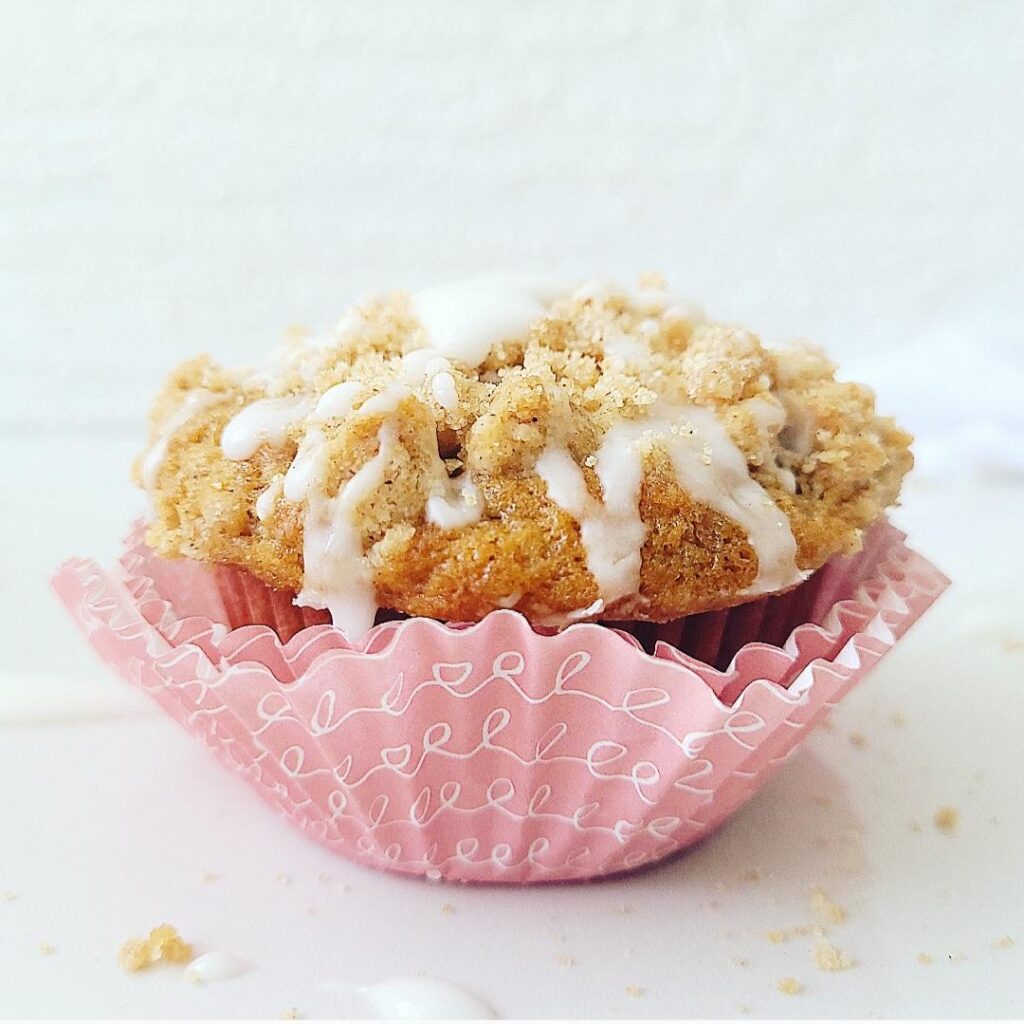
{"x": 575, "y": 453}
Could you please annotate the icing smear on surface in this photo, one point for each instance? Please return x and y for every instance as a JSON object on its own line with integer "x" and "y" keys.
{"x": 424, "y": 999}
{"x": 707, "y": 466}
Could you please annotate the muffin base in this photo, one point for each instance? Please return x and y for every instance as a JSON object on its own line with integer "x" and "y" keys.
{"x": 493, "y": 752}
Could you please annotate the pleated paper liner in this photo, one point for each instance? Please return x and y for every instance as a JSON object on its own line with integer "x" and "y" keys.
{"x": 495, "y": 752}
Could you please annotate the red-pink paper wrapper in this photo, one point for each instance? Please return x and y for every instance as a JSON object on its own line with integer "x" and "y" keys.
{"x": 495, "y": 752}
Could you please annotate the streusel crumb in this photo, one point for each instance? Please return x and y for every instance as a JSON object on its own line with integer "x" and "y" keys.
{"x": 825, "y": 908}
{"x": 162, "y": 944}
{"x": 828, "y": 958}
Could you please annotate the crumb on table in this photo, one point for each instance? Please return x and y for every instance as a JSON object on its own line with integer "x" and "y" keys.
{"x": 790, "y": 987}
{"x": 162, "y": 944}
{"x": 827, "y": 958}
{"x": 822, "y": 905}
{"x": 1004, "y": 942}
{"x": 947, "y": 819}
{"x": 6, "y": 895}
{"x": 925, "y": 958}
{"x": 635, "y": 991}
{"x": 290, "y": 1014}
{"x": 46, "y": 948}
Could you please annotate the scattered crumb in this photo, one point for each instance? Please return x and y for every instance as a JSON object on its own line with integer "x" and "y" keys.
{"x": 558, "y": 936}
{"x": 823, "y": 906}
{"x": 947, "y": 819}
{"x": 323, "y": 877}
{"x": 898, "y": 719}
{"x": 753, "y": 875}
{"x": 46, "y": 948}
{"x": 742, "y": 1008}
{"x": 447, "y": 910}
{"x": 564, "y": 960}
{"x": 925, "y": 958}
{"x": 790, "y": 987}
{"x": 956, "y": 957}
{"x": 740, "y": 961}
{"x": 827, "y": 724}
{"x": 635, "y": 991}
{"x": 290, "y": 1014}
{"x": 164, "y": 943}
{"x": 1003, "y": 943}
{"x": 625, "y": 910}
{"x": 859, "y": 740}
{"x": 828, "y": 958}
{"x": 6, "y": 895}
{"x": 821, "y": 799}
{"x": 1012, "y": 644}
{"x": 209, "y": 876}
{"x": 777, "y": 936}
{"x": 283, "y": 877}
{"x": 915, "y": 826}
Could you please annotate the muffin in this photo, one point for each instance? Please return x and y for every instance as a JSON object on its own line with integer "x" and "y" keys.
{"x": 507, "y": 582}
{"x": 589, "y": 453}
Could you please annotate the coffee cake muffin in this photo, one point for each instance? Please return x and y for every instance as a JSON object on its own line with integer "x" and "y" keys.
{"x": 580, "y": 453}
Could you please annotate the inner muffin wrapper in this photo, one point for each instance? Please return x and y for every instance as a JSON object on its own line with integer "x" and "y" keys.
{"x": 496, "y": 752}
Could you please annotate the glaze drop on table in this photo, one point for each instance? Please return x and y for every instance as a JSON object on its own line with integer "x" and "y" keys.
{"x": 424, "y": 999}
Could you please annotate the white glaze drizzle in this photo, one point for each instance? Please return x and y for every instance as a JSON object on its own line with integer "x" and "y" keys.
{"x": 463, "y": 320}
{"x": 266, "y": 421}
{"x": 337, "y": 575}
{"x": 425, "y": 366}
{"x": 267, "y": 500}
{"x": 623, "y": 351}
{"x": 153, "y": 460}
{"x": 456, "y": 503}
{"x": 214, "y": 966}
{"x": 424, "y": 999}
{"x": 612, "y": 532}
{"x": 707, "y": 466}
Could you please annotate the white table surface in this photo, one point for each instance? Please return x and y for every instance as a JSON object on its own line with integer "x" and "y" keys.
{"x": 112, "y": 814}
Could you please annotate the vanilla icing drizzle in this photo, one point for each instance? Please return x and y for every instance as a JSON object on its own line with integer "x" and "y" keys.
{"x": 707, "y": 466}
{"x": 153, "y": 460}
{"x": 463, "y": 320}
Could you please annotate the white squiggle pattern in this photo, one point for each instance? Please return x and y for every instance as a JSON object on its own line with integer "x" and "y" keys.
{"x": 491, "y": 753}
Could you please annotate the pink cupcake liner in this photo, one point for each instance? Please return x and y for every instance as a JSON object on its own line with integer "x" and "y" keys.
{"x": 495, "y": 752}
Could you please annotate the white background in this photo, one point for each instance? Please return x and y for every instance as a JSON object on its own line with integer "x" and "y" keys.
{"x": 185, "y": 177}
